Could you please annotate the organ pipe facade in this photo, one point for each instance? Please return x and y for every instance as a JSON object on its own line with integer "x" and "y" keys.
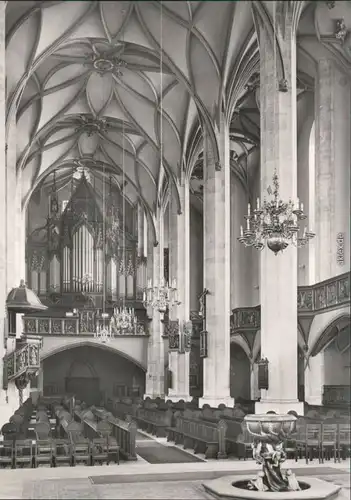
{"x": 77, "y": 253}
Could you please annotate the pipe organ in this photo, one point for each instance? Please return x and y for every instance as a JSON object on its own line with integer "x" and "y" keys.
{"x": 77, "y": 254}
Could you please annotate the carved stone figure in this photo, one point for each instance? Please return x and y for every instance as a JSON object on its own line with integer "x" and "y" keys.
{"x": 269, "y": 432}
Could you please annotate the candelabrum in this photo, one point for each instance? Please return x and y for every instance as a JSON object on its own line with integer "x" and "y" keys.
{"x": 161, "y": 297}
{"x": 275, "y": 223}
{"x": 124, "y": 318}
{"x": 103, "y": 333}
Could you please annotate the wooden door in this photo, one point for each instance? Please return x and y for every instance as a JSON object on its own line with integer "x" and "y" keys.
{"x": 86, "y": 389}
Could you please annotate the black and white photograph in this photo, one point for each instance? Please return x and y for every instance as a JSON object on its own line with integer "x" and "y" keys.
{"x": 175, "y": 218}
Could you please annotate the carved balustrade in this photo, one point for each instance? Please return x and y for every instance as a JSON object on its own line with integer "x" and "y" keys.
{"x": 23, "y": 361}
{"x": 77, "y": 325}
{"x": 311, "y": 300}
{"x": 245, "y": 318}
{"x": 51, "y": 326}
{"x": 328, "y": 294}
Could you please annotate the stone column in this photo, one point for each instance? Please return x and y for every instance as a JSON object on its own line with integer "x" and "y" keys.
{"x": 41, "y": 379}
{"x": 179, "y": 265}
{"x": 332, "y": 168}
{"x": 314, "y": 380}
{"x": 156, "y": 364}
{"x": 4, "y": 407}
{"x": 15, "y": 233}
{"x": 140, "y": 278}
{"x": 254, "y": 390}
{"x": 278, "y": 273}
{"x": 216, "y": 367}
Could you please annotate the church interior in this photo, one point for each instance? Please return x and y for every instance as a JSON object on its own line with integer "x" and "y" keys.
{"x": 174, "y": 235}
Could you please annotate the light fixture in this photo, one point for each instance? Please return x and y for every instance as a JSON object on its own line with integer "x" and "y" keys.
{"x": 161, "y": 297}
{"x": 103, "y": 333}
{"x": 102, "y": 329}
{"x": 275, "y": 223}
{"x": 54, "y": 204}
{"x": 124, "y": 318}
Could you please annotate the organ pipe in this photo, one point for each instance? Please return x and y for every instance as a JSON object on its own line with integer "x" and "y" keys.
{"x": 83, "y": 261}
{"x": 43, "y": 280}
{"x": 66, "y": 269}
{"x": 84, "y": 254}
{"x": 113, "y": 279}
{"x": 83, "y": 265}
{"x": 55, "y": 274}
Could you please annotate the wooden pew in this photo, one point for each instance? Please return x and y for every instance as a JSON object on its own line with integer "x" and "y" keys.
{"x": 62, "y": 448}
{"x": 80, "y": 445}
{"x": 6, "y": 454}
{"x": 234, "y": 430}
{"x": 64, "y": 418}
{"x": 42, "y": 431}
{"x": 19, "y": 422}
{"x": 104, "y": 447}
{"x": 122, "y": 408}
{"x": 202, "y": 437}
{"x": 154, "y": 421}
{"x": 124, "y": 432}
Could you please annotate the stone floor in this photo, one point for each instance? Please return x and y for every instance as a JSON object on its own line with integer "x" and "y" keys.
{"x": 142, "y": 480}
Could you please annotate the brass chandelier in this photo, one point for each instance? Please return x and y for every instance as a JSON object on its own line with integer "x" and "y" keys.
{"x": 275, "y": 223}
{"x": 162, "y": 295}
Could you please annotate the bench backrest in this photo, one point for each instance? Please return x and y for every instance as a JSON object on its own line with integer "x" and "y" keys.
{"x": 42, "y": 430}
{"x": 104, "y": 428}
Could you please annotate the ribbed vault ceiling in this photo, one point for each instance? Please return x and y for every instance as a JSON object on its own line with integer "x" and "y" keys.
{"x": 125, "y": 86}
{"x": 89, "y": 79}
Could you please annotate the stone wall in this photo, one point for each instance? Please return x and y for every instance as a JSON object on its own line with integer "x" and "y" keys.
{"x": 336, "y": 365}
{"x": 111, "y": 370}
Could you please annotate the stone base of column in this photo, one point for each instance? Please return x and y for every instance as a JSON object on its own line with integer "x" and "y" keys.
{"x": 279, "y": 406}
{"x": 154, "y": 396}
{"x": 177, "y": 397}
{"x": 215, "y": 402}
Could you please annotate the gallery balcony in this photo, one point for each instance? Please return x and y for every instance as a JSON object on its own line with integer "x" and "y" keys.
{"x": 84, "y": 323}
{"x": 315, "y": 299}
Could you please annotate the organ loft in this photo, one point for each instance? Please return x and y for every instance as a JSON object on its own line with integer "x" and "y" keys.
{"x": 89, "y": 250}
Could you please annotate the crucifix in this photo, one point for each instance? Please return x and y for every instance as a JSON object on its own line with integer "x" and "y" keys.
{"x": 202, "y": 309}
{"x": 203, "y": 333}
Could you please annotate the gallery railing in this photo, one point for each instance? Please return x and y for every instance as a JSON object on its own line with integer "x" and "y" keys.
{"x": 311, "y": 300}
{"x": 75, "y": 326}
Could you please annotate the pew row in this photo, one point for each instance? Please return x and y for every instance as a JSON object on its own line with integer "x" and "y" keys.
{"x": 202, "y": 437}
{"x": 104, "y": 447}
{"x": 124, "y": 432}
